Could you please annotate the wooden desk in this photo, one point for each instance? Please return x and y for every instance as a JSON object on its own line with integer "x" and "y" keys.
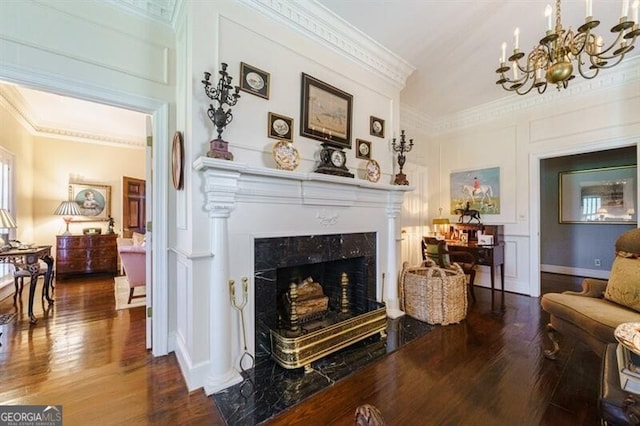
{"x": 490, "y": 256}
{"x": 29, "y": 259}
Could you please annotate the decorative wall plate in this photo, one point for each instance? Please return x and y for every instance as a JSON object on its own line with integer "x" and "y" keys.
{"x": 286, "y": 155}
{"x": 177, "y": 160}
{"x": 373, "y": 171}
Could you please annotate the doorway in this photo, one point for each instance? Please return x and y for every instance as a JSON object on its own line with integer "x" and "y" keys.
{"x": 157, "y": 161}
{"x": 540, "y": 208}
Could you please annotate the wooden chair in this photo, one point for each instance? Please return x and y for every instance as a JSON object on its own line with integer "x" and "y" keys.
{"x": 437, "y": 251}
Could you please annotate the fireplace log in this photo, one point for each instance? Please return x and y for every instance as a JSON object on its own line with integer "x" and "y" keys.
{"x": 315, "y": 306}
{"x": 309, "y": 290}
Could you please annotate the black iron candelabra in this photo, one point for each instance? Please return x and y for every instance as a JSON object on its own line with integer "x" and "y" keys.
{"x": 225, "y": 96}
{"x": 401, "y": 148}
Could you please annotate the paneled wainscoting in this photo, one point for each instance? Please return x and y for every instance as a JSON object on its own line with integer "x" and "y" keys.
{"x": 487, "y": 370}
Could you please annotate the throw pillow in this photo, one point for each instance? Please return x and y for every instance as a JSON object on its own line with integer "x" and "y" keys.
{"x": 138, "y": 239}
{"x": 432, "y": 253}
{"x": 623, "y": 287}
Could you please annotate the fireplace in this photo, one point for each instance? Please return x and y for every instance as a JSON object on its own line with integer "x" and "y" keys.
{"x": 308, "y": 219}
{"x": 342, "y": 267}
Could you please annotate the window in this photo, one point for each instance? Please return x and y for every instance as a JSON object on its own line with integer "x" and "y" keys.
{"x": 590, "y": 206}
{"x": 6, "y": 197}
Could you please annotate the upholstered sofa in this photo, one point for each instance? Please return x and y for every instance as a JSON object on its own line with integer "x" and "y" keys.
{"x": 593, "y": 314}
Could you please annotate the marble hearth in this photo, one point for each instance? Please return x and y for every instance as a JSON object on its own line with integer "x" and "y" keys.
{"x": 247, "y": 205}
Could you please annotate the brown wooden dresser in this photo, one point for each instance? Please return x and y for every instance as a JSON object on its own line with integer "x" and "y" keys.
{"x": 86, "y": 254}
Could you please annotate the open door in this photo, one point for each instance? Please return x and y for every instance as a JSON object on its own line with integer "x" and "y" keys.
{"x": 133, "y": 206}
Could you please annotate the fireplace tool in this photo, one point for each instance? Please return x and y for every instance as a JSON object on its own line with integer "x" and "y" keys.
{"x": 240, "y": 308}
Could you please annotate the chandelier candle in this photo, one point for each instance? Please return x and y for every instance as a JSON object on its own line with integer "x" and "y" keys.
{"x": 560, "y": 53}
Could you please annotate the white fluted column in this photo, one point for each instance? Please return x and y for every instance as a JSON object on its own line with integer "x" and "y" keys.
{"x": 391, "y": 297}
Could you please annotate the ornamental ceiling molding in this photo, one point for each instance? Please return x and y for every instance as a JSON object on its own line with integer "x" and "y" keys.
{"x": 163, "y": 11}
{"x": 626, "y": 74}
{"x": 11, "y": 99}
{"x": 314, "y": 20}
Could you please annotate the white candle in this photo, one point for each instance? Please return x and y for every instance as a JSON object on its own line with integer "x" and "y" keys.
{"x": 538, "y": 73}
{"x": 634, "y": 10}
{"x": 515, "y": 70}
{"x": 589, "y": 8}
{"x": 625, "y": 8}
{"x": 516, "y": 34}
{"x": 548, "y": 12}
{"x": 504, "y": 52}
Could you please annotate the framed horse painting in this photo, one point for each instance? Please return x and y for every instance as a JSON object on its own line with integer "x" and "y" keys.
{"x": 476, "y": 190}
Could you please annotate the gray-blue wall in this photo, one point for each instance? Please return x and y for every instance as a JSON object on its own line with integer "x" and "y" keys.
{"x": 577, "y": 245}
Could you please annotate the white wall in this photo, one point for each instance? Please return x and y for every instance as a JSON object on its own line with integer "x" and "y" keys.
{"x": 230, "y": 32}
{"x": 514, "y": 134}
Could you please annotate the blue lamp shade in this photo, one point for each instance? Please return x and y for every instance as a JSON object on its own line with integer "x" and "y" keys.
{"x": 67, "y": 209}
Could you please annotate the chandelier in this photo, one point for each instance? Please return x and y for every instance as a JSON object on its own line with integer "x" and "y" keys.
{"x": 552, "y": 60}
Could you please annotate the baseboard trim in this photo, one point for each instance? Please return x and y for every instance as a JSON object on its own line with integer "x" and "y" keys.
{"x": 578, "y": 272}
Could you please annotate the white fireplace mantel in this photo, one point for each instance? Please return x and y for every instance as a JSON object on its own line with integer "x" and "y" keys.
{"x": 305, "y": 204}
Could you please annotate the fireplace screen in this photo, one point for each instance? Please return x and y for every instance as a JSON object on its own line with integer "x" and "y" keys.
{"x": 314, "y": 295}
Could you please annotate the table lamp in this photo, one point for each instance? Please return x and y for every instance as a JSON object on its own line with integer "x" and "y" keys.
{"x": 439, "y": 223}
{"x": 67, "y": 209}
{"x": 6, "y": 222}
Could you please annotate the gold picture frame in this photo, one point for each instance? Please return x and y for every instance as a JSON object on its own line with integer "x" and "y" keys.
{"x": 94, "y": 201}
{"x": 603, "y": 196}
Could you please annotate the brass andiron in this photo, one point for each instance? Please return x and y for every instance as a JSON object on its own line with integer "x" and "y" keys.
{"x": 344, "y": 300}
{"x": 240, "y": 308}
{"x": 401, "y": 148}
{"x": 222, "y": 95}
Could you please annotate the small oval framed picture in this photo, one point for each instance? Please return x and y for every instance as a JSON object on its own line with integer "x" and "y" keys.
{"x": 363, "y": 149}
{"x": 376, "y": 126}
{"x": 280, "y": 127}
{"x": 253, "y": 80}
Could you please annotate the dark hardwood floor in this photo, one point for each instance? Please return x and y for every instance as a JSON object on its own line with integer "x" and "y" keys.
{"x": 487, "y": 370}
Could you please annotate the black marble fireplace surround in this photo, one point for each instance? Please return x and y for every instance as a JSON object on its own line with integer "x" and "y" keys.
{"x": 283, "y": 260}
{"x": 268, "y": 388}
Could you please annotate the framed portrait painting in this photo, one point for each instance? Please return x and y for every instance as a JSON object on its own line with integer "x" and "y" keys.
{"x": 325, "y": 112}
{"x": 94, "y": 201}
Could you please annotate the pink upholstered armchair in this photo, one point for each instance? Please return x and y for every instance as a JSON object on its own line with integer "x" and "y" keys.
{"x": 133, "y": 261}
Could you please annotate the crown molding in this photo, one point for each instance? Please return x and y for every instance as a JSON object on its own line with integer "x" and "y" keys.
{"x": 625, "y": 74}
{"x": 313, "y": 20}
{"x": 162, "y": 11}
{"x": 13, "y": 101}
{"x": 415, "y": 119}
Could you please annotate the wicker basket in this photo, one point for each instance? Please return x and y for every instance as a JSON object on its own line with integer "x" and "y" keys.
{"x": 434, "y": 295}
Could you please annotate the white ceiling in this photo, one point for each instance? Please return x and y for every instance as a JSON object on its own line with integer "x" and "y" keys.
{"x": 453, "y": 44}
{"x": 50, "y": 115}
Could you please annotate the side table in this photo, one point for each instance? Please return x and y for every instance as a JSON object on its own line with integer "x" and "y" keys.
{"x": 614, "y": 404}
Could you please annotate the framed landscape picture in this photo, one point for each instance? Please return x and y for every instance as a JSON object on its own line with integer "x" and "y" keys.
{"x": 94, "y": 201}
{"x": 325, "y": 112}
